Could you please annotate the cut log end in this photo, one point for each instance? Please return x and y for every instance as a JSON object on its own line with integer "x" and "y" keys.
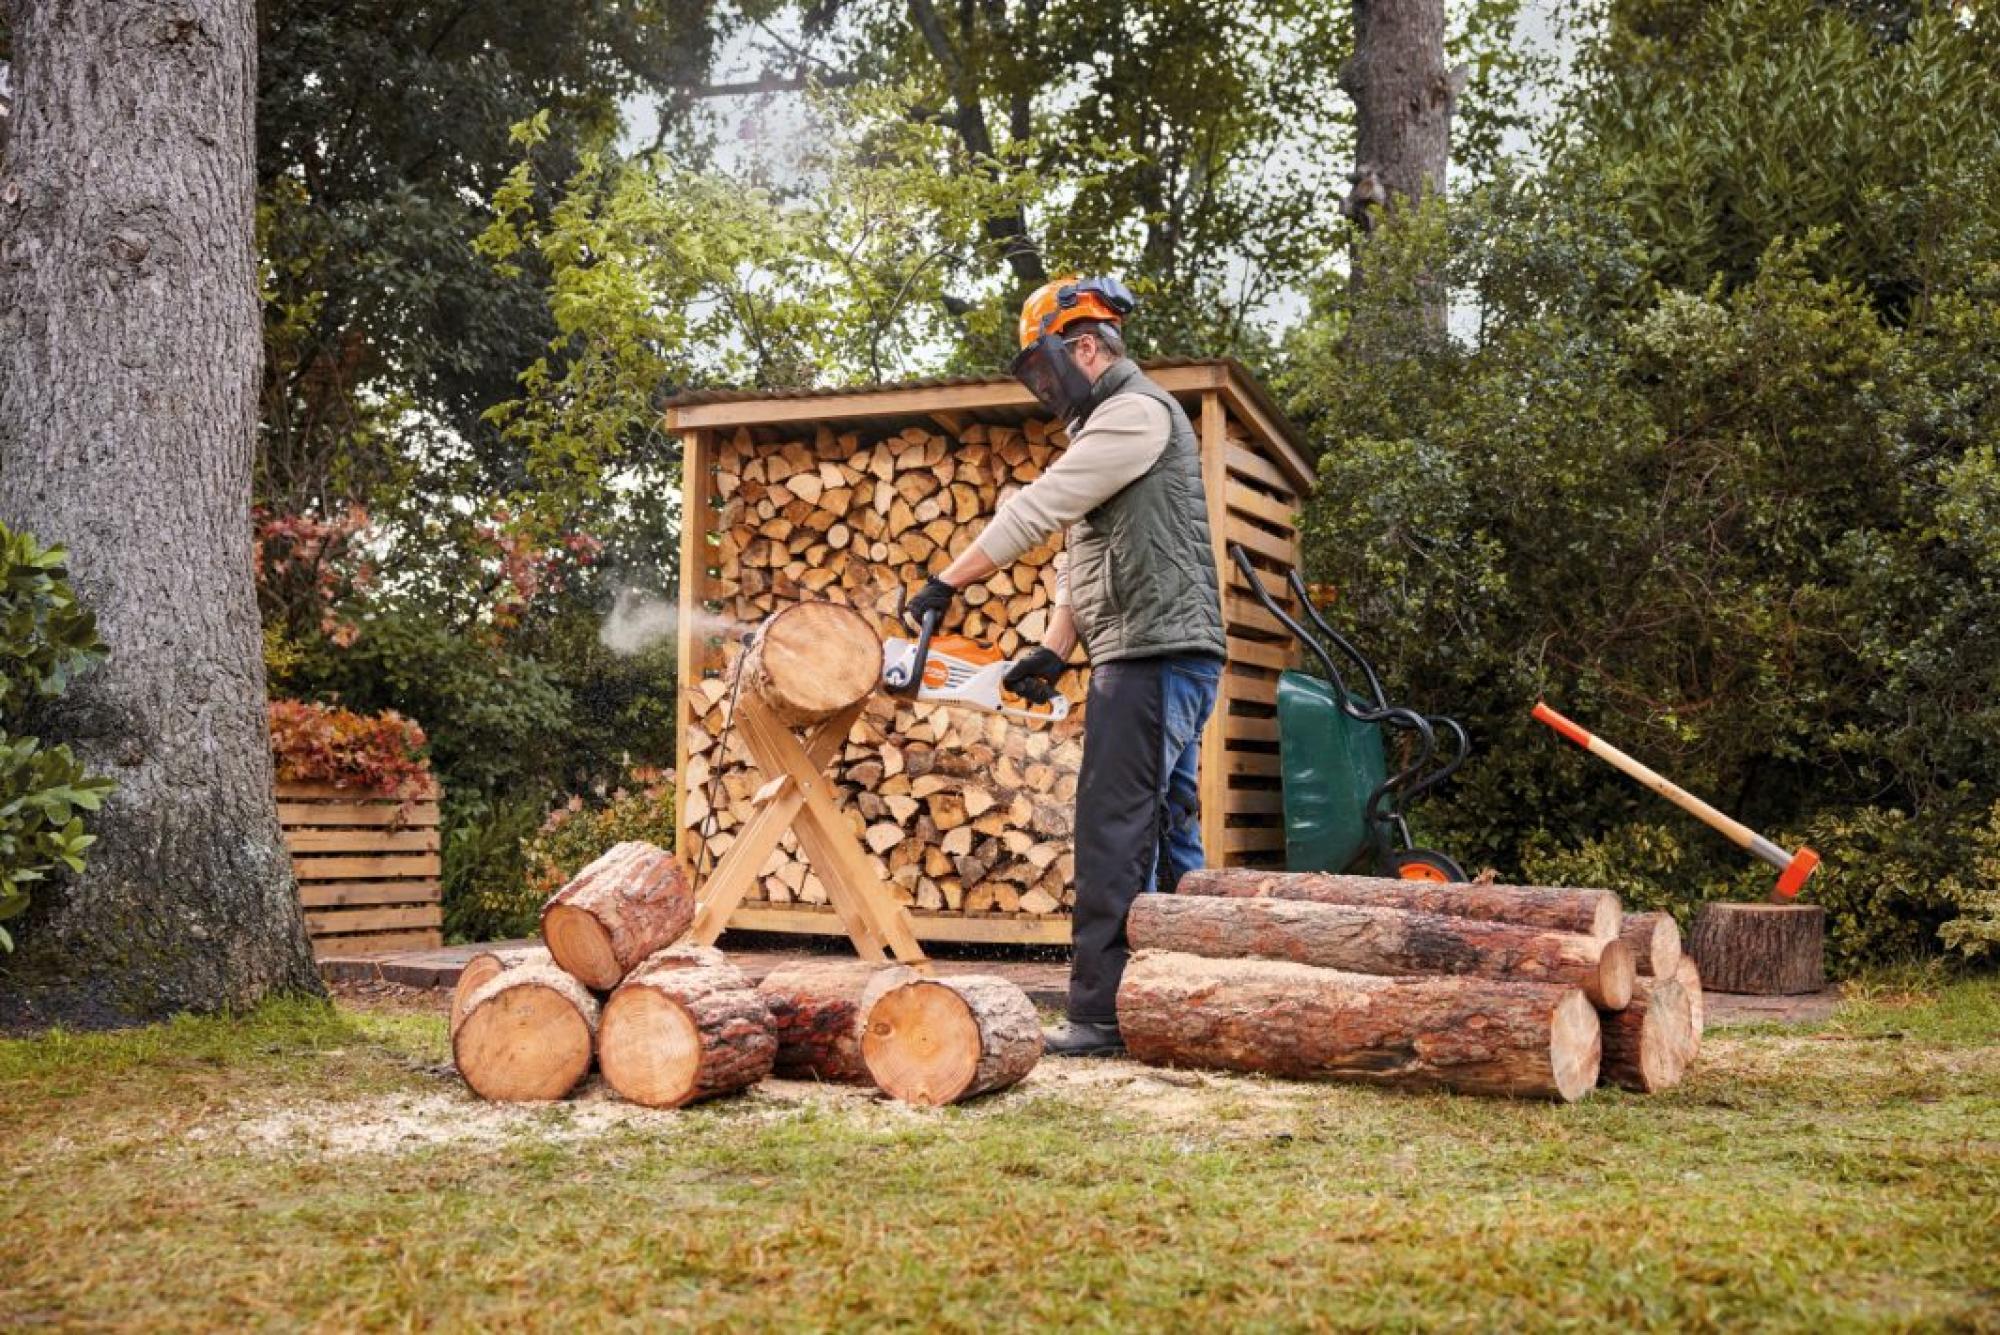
{"x": 682, "y": 1031}
{"x": 583, "y": 945}
{"x": 649, "y": 1048}
{"x": 1575, "y": 1046}
{"x": 484, "y": 967}
{"x": 1655, "y": 939}
{"x": 1689, "y": 977}
{"x": 931, "y": 1042}
{"x": 1648, "y": 1045}
{"x": 525, "y": 1036}
{"x": 1611, "y": 986}
{"x": 812, "y": 660}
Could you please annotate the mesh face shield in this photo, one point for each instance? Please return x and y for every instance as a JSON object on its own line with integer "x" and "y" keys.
{"x": 1053, "y": 377}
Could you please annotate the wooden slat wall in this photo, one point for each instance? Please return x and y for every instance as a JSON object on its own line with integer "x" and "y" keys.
{"x": 367, "y": 868}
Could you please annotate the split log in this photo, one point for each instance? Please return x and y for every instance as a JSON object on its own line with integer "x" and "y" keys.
{"x": 1592, "y": 913}
{"x": 1762, "y": 949}
{"x": 1688, "y": 975}
{"x": 1655, "y": 939}
{"x": 489, "y": 964}
{"x": 525, "y": 1035}
{"x": 816, "y": 1018}
{"x": 1274, "y": 1017}
{"x": 1380, "y": 941}
{"x": 682, "y": 1031}
{"x": 617, "y": 911}
{"x": 810, "y": 660}
{"x": 1648, "y": 1045}
{"x": 933, "y": 1041}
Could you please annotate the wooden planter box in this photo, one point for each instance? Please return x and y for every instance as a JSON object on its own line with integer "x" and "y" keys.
{"x": 739, "y": 447}
{"x": 367, "y": 867}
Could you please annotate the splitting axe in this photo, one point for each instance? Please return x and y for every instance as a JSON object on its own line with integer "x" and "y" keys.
{"x": 1794, "y": 869}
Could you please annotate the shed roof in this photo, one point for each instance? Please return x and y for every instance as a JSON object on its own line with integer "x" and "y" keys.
{"x": 721, "y": 408}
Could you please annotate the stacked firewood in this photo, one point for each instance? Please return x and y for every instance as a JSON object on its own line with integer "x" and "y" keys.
{"x": 1492, "y": 989}
{"x": 667, "y": 1022}
{"x": 963, "y": 811}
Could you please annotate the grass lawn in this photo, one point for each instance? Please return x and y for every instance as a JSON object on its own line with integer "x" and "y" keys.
{"x": 311, "y": 1167}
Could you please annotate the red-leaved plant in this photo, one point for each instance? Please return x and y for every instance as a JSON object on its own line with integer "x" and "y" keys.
{"x": 381, "y": 753}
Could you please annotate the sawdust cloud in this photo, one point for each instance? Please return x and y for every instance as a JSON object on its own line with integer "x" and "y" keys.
{"x": 641, "y": 619}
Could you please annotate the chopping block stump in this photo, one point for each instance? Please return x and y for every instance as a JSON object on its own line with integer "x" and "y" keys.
{"x": 1767, "y": 950}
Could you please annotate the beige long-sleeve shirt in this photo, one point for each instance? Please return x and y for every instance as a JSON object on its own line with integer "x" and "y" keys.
{"x": 1122, "y": 439}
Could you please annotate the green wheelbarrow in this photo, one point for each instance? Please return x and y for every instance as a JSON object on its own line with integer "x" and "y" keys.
{"x": 1344, "y": 810}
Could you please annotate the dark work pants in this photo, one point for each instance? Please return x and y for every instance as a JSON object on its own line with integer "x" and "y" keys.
{"x": 1138, "y": 809}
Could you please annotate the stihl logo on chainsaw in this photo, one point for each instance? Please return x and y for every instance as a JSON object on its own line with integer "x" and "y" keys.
{"x": 953, "y": 670}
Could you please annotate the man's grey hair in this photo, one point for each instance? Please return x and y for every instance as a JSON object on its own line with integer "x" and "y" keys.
{"x": 1107, "y": 334}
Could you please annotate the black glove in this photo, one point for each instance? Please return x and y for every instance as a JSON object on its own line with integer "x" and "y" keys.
{"x": 1034, "y": 677}
{"x": 935, "y": 597}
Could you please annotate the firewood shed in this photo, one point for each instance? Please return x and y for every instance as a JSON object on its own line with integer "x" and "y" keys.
{"x": 850, "y": 494}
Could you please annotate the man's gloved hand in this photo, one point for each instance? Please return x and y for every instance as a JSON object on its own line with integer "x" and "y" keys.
{"x": 1034, "y": 677}
{"x": 936, "y": 596}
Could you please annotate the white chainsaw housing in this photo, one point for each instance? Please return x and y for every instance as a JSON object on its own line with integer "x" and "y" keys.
{"x": 972, "y": 686}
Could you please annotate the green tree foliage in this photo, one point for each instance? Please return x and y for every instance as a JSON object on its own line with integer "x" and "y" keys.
{"x": 46, "y": 640}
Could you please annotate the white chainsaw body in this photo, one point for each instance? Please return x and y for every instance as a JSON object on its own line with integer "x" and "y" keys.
{"x": 970, "y": 685}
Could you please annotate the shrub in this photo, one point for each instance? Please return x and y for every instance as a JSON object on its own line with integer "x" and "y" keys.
{"x": 46, "y": 640}
{"x": 576, "y": 833}
{"x": 381, "y": 753}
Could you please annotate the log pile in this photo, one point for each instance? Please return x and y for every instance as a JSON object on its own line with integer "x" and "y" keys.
{"x": 964, "y": 812}
{"x": 682, "y": 1024}
{"x": 1525, "y": 991}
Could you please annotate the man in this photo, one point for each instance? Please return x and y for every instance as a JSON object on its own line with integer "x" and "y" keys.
{"x": 1138, "y": 588}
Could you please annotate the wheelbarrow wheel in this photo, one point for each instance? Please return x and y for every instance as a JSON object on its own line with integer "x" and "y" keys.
{"x": 1421, "y": 864}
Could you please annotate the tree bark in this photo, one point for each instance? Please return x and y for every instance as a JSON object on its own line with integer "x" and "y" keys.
{"x": 129, "y": 358}
{"x": 616, "y": 912}
{"x": 933, "y": 1041}
{"x": 1277, "y": 1018}
{"x": 1404, "y": 96}
{"x": 1380, "y": 941}
{"x": 487, "y": 965}
{"x": 1762, "y": 949}
{"x": 680, "y": 1031}
{"x": 526, "y": 1036}
{"x": 1593, "y": 913}
{"x": 816, "y": 1015}
{"x": 1648, "y": 1045}
{"x": 810, "y": 660}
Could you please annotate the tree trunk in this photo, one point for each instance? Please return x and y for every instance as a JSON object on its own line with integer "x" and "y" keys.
{"x": 1380, "y": 941}
{"x": 1273, "y": 1017}
{"x": 1593, "y": 913}
{"x": 811, "y": 660}
{"x": 1404, "y": 95}
{"x": 816, "y": 1014}
{"x": 1648, "y": 1045}
{"x": 1762, "y": 949}
{"x": 129, "y": 355}
{"x": 1655, "y": 940}
{"x": 933, "y": 1041}
{"x": 614, "y": 913}
{"x": 680, "y": 1031}
{"x": 525, "y": 1036}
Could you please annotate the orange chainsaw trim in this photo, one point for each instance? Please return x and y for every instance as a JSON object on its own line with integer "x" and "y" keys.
{"x": 937, "y": 674}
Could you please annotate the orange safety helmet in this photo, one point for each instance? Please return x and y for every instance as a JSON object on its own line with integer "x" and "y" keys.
{"x": 1055, "y": 306}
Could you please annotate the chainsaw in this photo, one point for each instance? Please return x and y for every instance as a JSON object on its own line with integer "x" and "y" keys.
{"x": 954, "y": 670}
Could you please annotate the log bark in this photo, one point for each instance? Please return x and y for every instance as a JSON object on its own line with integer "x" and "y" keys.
{"x": 1648, "y": 1045}
{"x": 816, "y": 1016}
{"x": 678, "y": 1032}
{"x": 488, "y": 965}
{"x": 129, "y": 356}
{"x": 933, "y": 1041}
{"x": 1688, "y": 975}
{"x": 810, "y": 660}
{"x": 1593, "y": 913}
{"x": 526, "y": 1035}
{"x": 1272, "y": 1017}
{"x": 1761, "y": 949}
{"x": 1655, "y": 940}
{"x": 1380, "y": 941}
{"x": 632, "y": 901}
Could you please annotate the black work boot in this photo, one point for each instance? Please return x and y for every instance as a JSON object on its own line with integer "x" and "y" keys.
{"x": 1070, "y": 1039}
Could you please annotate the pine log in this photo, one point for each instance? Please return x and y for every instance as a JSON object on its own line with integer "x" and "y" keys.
{"x": 681, "y": 1031}
{"x": 526, "y": 1035}
{"x": 1648, "y": 1045}
{"x": 810, "y": 660}
{"x": 1380, "y": 941}
{"x": 1688, "y": 975}
{"x": 1592, "y": 913}
{"x": 614, "y": 913}
{"x": 489, "y": 964}
{"x": 1274, "y": 1017}
{"x": 1655, "y": 939}
{"x": 1762, "y": 949}
{"x": 816, "y": 1018}
{"x": 933, "y": 1041}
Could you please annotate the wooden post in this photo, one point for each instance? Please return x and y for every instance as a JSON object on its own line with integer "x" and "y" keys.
{"x": 697, "y": 483}
{"x": 1214, "y": 738}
